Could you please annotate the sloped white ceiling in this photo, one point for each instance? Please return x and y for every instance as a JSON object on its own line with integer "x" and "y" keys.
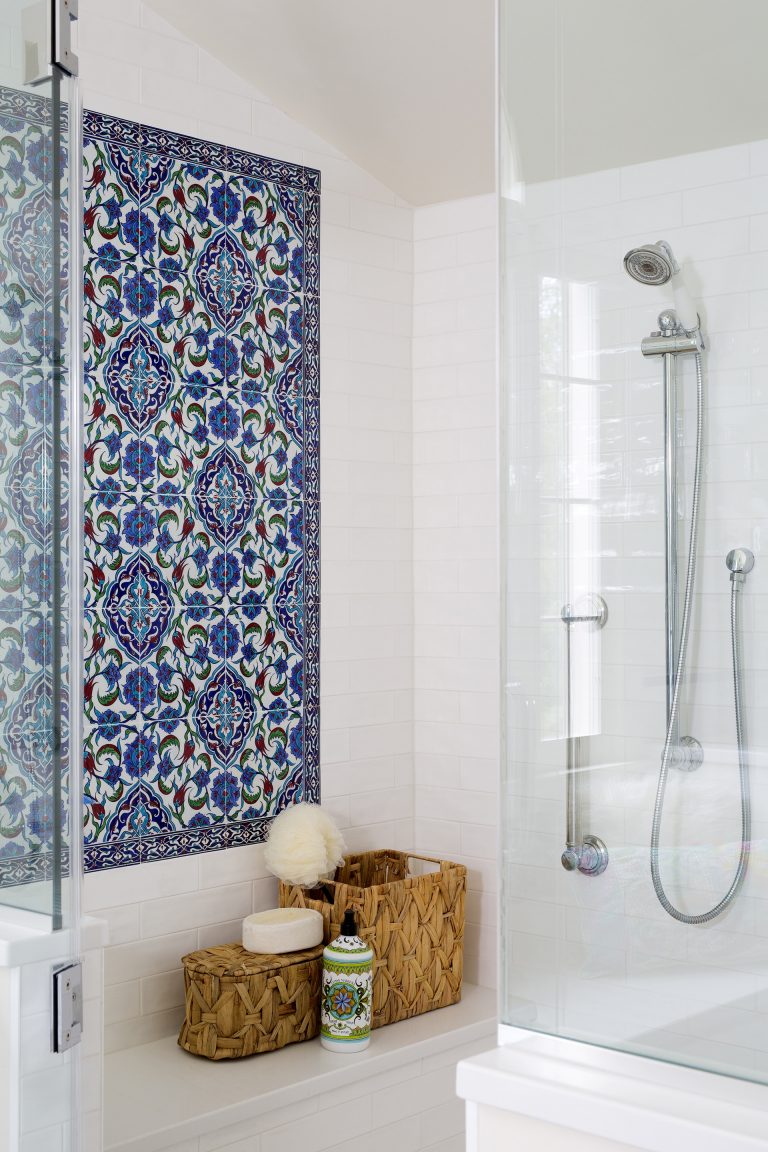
{"x": 406, "y": 87}
{"x": 403, "y": 87}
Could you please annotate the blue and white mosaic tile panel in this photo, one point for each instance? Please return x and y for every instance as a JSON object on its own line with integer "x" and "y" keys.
{"x": 201, "y": 357}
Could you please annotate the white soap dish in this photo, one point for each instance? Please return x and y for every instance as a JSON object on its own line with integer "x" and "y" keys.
{"x": 282, "y": 930}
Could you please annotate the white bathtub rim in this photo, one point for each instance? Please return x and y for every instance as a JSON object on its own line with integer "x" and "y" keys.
{"x": 648, "y": 1104}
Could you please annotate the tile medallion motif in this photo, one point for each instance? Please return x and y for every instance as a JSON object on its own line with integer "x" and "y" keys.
{"x": 201, "y": 357}
{"x": 26, "y": 224}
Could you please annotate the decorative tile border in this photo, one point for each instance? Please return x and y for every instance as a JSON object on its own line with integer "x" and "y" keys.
{"x": 186, "y": 148}
{"x": 312, "y": 243}
{"x": 27, "y": 106}
{"x": 236, "y": 161}
{"x": 97, "y": 126}
{"x": 202, "y": 492}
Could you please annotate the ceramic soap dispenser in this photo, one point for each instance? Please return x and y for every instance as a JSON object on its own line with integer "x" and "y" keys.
{"x": 345, "y": 1007}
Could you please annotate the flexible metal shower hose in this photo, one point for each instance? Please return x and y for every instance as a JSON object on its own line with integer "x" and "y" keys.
{"x": 746, "y": 803}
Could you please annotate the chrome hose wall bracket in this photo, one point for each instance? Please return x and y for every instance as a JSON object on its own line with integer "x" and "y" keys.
{"x": 687, "y": 755}
{"x": 590, "y": 857}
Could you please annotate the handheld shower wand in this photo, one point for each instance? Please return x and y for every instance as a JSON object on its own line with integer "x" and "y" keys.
{"x": 655, "y": 264}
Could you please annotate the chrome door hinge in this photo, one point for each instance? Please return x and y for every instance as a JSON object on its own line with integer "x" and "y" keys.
{"x": 64, "y": 12}
{"x": 46, "y": 33}
{"x": 67, "y": 1007}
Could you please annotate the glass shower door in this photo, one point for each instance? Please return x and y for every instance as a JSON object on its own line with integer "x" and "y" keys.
{"x": 39, "y": 358}
{"x": 634, "y": 304}
{"x": 35, "y": 363}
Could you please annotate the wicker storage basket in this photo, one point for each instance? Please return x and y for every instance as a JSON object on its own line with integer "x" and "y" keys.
{"x": 239, "y": 1003}
{"x": 414, "y": 923}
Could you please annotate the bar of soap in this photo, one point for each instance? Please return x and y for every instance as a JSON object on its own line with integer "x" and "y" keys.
{"x": 282, "y": 930}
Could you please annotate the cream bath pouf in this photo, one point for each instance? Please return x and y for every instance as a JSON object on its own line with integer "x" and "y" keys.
{"x": 304, "y": 844}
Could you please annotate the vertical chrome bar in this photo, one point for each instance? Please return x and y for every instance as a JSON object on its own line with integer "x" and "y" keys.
{"x": 572, "y": 830}
{"x": 671, "y": 341}
{"x": 586, "y": 854}
{"x": 573, "y": 836}
{"x": 670, "y": 528}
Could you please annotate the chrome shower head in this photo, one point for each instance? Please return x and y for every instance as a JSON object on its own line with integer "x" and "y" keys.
{"x": 651, "y": 263}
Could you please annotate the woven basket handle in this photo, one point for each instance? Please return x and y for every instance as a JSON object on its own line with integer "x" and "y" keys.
{"x": 428, "y": 859}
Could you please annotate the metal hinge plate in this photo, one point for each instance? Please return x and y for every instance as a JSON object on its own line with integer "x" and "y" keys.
{"x": 67, "y": 1007}
{"x": 64, "y": 12}
{"x": 46, "y": 35}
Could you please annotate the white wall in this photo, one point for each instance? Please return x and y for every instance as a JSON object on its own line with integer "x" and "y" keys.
{"x": 135, "y": 65}
{"x": 392, "y": 410}
{"x": 456, "y": 562}
{"x": 51, "y": 1085}
{"x": 598, "y": 956}
{"x": 496, "y": 1130}
{"x": 9, "y": 1061}
{"x": 40, "y": 1089}
{"x": 410, "y": 1108}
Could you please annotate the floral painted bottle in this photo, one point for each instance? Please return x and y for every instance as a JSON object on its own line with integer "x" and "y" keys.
{"x": 345, "y": 1007}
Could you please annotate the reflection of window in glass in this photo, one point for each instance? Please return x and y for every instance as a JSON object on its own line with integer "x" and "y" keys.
{"x": 551, "y": 326}
{"x": 569, "y": 329}
{"x": 569, "y": 365}
{"x": 583, "y": 331}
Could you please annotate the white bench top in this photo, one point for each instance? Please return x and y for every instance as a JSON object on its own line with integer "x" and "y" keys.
{"x": 157, "y": 1095}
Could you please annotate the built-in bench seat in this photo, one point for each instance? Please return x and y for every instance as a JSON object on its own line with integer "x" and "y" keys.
{"x": 400, "y": 1091}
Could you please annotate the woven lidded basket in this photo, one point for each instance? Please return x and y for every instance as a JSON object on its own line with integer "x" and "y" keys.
{"x": 239, "y": 1003}
{"x": 410, "y": 914}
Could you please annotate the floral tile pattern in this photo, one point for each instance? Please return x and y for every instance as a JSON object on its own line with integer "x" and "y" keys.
{"x": 28, "y": 309}
{"x": 268, "y": 221}
{"x": 185, "y": 210}
{"x": 202, "y": 492}
{"x": 112, "y": 179}
{"x": 26, "y": 739}
{"x": 26, "y": 270}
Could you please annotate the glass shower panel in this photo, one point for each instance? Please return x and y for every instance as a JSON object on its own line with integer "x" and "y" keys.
{"x": 35, "y": 374}
{"x": 613, "y": 137}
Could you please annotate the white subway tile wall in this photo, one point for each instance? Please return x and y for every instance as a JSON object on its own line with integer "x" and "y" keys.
{"x": 456, "y": 561}
{"x": 412, "y": 1108}
{"x": 599, "y": 956}
{"x": 134, "y": 64}
{"x": 41, "y": 1082}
